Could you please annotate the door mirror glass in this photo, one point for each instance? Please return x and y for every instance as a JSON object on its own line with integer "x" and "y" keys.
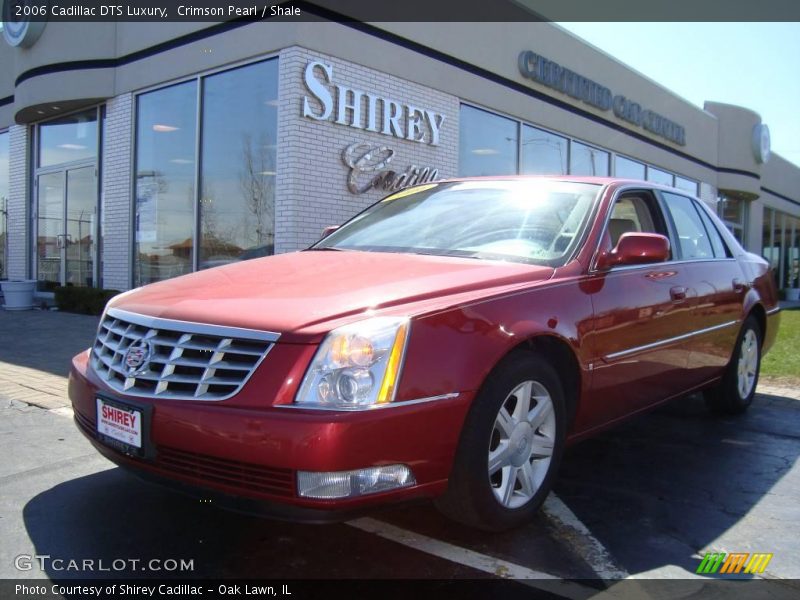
{"x": 636, "y": 249}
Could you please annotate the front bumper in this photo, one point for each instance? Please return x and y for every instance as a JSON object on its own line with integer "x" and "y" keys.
{"x": 252, "y": 455}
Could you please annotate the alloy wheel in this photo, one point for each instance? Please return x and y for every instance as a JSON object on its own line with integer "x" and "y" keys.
{"x": 521, "y": 444}
{"x": 748, "y": 364}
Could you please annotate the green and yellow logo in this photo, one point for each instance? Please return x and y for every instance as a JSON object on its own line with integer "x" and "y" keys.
{"x": 733, "y": 563}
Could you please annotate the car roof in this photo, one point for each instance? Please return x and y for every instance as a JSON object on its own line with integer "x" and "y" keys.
{"x": 570, "y": 179}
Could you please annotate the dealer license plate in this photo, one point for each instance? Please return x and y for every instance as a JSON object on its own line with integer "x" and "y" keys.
{"x": 120, "y": 422}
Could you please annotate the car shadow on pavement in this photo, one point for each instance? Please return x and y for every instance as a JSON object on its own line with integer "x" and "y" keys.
{"x": 654, "y": 491}
{"x": 662, "y": 487}
{"x": 114, "y": 516}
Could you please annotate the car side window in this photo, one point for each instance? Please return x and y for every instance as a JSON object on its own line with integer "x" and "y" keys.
{"x": 633, "y": 213}
{"x": 720, "y": 249}
{"x": 693, "y": 238}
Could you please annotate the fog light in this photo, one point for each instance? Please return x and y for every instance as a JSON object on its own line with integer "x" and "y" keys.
{"x": 348, "y": 484}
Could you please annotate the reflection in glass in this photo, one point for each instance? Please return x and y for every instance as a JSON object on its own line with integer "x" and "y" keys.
{"x": 659, "y": 176}
{"x": 627, "y": 168}
{"x": 50, "y": 236}
{"x": 81, "y": 212}
{"x": 686, "y": 184}
{"x": 733, "y": 213}
{"x": 793, "y": 252}
{"x": 769, "y": 250}
{"x": 237, "y": 197}
{"x": 67, "y": 139}
{"x": 165, "y": 195}
{"x": 585, "y": 160}
{"x": 3, "y": 204}
{"x": 543, "y": 153}
{"x": 692, "y": 234}
{"x": 779, "y": 251}
{"x": 733, "y": 209}
{"x": 487, "y": 144}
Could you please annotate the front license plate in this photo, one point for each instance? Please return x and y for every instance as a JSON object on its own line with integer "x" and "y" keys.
{"x": 118, "y": 422}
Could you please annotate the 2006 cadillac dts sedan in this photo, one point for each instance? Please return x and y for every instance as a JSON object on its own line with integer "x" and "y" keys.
{"x": 445, "y": 343}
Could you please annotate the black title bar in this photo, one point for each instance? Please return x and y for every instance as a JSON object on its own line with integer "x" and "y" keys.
{"x": 16, "y": 11}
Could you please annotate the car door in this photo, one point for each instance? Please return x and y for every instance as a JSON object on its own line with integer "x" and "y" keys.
{"x": 641, "y": 315}
{"x": 719, "y": 283}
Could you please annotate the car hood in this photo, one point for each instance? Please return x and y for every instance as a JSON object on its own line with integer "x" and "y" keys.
{"x": 303, "y": 295}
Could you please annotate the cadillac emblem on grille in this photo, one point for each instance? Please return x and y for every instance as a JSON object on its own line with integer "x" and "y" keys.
{"x": 137, "y": 357}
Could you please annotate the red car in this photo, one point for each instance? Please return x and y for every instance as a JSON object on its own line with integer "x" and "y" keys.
{"x": 446, "y": 343}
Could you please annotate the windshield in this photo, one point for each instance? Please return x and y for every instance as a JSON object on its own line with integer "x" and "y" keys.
{"x": 531, "y": 221}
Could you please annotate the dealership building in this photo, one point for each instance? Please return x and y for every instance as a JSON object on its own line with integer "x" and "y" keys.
{"x": 136, "y": 152}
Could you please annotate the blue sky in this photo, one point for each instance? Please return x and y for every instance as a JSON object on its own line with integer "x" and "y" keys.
{"x": 755, "y": 65}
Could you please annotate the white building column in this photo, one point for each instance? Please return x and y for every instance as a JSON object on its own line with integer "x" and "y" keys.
{"x": 19, "y": 226}
{"x": 116, "y": 201}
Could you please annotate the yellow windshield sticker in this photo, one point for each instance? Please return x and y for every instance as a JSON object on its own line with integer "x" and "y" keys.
{"x": 408, "y": 191}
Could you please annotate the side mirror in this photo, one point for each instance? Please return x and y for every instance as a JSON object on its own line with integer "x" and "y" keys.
{"x": 328, "y": 230}
{"x": 636, "y": 249}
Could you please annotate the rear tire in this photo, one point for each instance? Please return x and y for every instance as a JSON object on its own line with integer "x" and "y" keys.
{"x": 510, "y": 447}
{"x": 734, "y": 394}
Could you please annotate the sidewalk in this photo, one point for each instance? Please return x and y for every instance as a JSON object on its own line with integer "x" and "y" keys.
{"x": 36, "y": 348}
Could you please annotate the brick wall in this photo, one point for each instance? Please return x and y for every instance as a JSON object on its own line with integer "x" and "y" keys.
{"x": 18, "y": 192}
{"x": 311, "y": 186}
{"x": 116, "y": 192}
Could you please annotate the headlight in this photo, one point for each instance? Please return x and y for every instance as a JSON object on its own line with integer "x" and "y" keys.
{"x": 357, "y": 366}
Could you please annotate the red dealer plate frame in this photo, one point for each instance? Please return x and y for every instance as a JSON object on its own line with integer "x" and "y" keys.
{"x": 126, "y": 433}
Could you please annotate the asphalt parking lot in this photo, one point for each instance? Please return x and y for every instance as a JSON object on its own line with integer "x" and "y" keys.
{"x": 644, "y": 501}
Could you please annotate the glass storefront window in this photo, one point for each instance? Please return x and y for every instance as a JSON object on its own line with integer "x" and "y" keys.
{"x": 4, "y": 176}
{"x": 779, "y": 246}
{"x": 191, "y": 216}
{"x": 769, "y": 250}
{"x": 165, "y": 174}
{"x": 793, "y": 258}
{"x": 627, "y": 168}
{"x": 488, "y": 143}
{"x": 688, "y": 185}
{"x": 585, "y": 160}
{"x": 543, "y": 153}
{"x": 659, "y": 176}
{"x": 68, "y": 139}
{"x": 733, "y": 212}
{"x": 237, "y": 189}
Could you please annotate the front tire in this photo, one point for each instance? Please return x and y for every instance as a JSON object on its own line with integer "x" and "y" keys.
{"x": 510, "y": 447}
{"x": 735, "y": 393}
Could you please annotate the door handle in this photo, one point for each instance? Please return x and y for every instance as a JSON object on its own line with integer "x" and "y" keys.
{"x": 738, "y": 285}
{"x": 677, "y": 293}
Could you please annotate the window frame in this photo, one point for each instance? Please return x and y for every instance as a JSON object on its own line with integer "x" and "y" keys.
{"x": 659, "y": 221}
{"x": 612, "y": 155}
{"x": 618, "y": 155}
{"x": 664, "y": 214}
{"x": 591, "y": 146}
{"x": 199, "y": 78}
{"x": 675, "y": 238}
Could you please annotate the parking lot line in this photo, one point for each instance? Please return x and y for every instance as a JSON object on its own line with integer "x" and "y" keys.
{"x": 451, "y": 552}
{"x": 588, "y": 547}
{"x": 475, "y": 560}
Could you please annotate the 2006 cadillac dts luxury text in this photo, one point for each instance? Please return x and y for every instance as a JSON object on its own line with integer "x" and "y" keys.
{"x": 446, "y": 343}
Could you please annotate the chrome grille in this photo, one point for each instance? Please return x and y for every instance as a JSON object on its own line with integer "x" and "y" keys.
{"x": 179, "y": 360}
